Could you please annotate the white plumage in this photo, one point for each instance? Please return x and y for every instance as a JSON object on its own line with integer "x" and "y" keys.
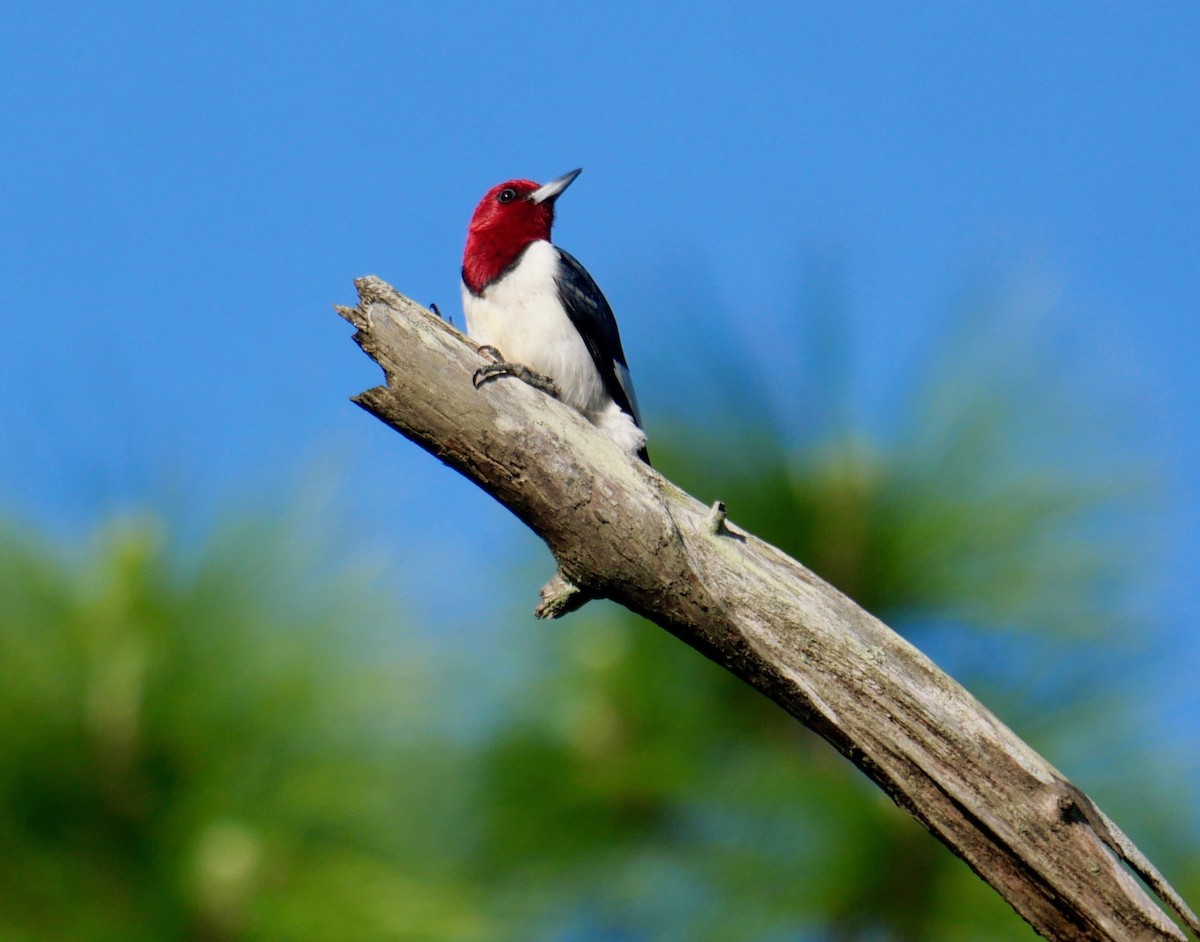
{"x": 521, "y": 314}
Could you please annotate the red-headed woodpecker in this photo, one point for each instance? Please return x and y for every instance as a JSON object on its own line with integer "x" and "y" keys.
{"x": 531, "y": 304}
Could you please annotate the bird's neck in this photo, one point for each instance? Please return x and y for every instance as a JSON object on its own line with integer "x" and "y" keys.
{"x": 487, "y": 260}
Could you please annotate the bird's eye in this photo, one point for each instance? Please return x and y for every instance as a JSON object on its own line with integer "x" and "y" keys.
{"x": 507, "y": 195}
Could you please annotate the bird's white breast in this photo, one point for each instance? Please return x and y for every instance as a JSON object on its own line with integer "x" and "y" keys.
{"x": 521, "y": 315}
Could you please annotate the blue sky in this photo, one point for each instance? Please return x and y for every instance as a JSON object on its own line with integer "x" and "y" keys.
{"x": 189, "y": 187}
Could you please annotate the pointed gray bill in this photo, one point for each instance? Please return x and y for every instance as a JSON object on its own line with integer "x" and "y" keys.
{"x": 549, "y": 192}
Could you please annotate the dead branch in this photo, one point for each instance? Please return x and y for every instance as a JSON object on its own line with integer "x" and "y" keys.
{"x": 619, "y": 530}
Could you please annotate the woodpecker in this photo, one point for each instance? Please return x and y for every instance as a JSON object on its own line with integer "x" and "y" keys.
{"x": 536, "y": 311}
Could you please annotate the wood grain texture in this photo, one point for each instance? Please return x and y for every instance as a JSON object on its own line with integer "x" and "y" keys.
{"x": 619, "y": 530}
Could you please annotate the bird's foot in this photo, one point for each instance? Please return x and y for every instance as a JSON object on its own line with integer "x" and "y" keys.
{"x": 501, "y": 367}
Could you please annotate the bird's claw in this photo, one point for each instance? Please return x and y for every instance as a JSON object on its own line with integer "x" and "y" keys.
{"x": 503, "y": 368}
{"x": 482, "y": 375}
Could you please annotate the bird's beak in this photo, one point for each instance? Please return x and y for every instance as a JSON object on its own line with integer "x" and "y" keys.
{"x": 549, "y": 192}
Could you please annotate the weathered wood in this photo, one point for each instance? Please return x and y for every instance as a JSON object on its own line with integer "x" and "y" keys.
{"x": 619, "y": 530}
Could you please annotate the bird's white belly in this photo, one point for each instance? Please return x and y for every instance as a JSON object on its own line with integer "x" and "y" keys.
{"x": 521, "y": 316}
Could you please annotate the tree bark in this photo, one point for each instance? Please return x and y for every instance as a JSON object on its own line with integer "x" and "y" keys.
{"x": 619, "y": 530}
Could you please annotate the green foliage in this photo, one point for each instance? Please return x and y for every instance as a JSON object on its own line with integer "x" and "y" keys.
{"x": 188, "y": 752}
{"x": 644, "y": 768}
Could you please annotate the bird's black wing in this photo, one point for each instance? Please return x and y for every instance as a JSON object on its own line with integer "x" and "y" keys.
{"x": 594, "y": 320}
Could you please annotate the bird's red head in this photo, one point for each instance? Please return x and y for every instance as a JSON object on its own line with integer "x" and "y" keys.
{"x": 510, "y": 217}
